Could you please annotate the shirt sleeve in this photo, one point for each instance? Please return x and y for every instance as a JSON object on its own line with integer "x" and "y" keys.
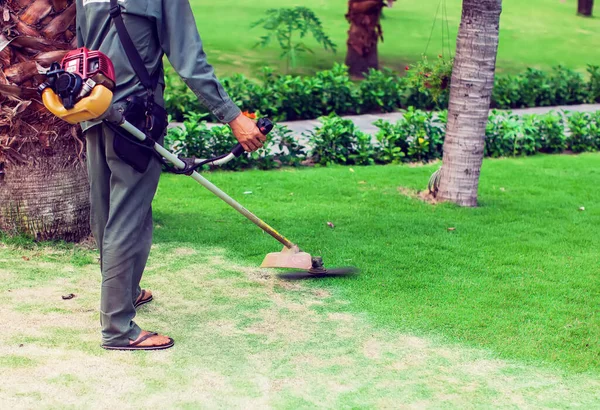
{"x": 181, "y": 43}
{"x": 78, "y": 22}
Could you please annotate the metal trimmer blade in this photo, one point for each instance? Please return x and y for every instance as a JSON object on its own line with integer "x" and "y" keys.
{"x": 291, "y": 258}
{"x": 318, "y": 271}
{"x": 325, "y": 273}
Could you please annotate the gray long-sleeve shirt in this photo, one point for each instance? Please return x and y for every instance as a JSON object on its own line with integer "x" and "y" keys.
{"x": 157, "y": 28}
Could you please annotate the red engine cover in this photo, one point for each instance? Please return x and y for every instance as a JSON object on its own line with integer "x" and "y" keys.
{"x": 90, "y": 64}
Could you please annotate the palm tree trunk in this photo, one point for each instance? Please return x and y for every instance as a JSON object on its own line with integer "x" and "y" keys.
{"x": 470, "y": 95}
{"x": 585, "y": 8}
{"x": 43, "y": 179}
{"x": 365, "y": 31}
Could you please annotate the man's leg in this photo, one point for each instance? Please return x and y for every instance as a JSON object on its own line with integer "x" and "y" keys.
{"x": 142, "y": 259}
{"x": 126, "y": 243}
{"x": 99, "y": 178}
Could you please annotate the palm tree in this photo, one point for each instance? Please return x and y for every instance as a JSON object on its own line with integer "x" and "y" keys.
{"x": 365, "y": 32}
{"x": 43, "y": 181}
{"x": 470, "y": 95}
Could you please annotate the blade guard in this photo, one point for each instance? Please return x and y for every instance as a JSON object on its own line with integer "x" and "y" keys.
{"x": 87, "y": 109}
{"x": 288, "y": 258}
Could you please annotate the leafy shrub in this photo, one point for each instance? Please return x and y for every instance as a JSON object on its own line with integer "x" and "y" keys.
{"x": 594, "y": 84}
{"x": 392, "y": 146}
{"x": 412, "y": 97}
{"x": 569, "y": 86}
{"x": 380, "y": 91}
{"x": 295, "y": 98}
{"x": 550, "y": 129}
{"x": 418, "y": 136}
{"x": 285, "y": 149}
{"x": 508, "y": 134}
{"x": 584, "y": 129}
{"x": 500, "y": 134}
{"x": 288, "y": 97}
{"x": 190, "y": 139}
{"x": 196, "y": 139}
{"x": 536, "y": 89}
{"x": 425, "y": 135}
{"x": 339, "y": 141}
{"x": 507, "y": 92}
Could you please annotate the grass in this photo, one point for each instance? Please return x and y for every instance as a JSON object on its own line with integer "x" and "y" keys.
{"x": 517, "y": 275}
{"x": 534, "y": 33}
{"x": 501, "y": 311}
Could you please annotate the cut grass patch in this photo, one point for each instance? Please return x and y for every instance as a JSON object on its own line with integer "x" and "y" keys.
{"x": 269, "y": 347}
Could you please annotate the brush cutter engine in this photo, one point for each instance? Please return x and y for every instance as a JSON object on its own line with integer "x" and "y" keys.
{"x": 80, "y": 87}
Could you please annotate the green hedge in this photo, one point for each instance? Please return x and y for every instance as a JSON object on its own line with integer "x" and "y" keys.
{"x": 287, "y": 97}
{"x": 417, "y": 137}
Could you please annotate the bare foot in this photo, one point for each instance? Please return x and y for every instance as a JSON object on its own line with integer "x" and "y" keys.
{"x": 157, "y": 340}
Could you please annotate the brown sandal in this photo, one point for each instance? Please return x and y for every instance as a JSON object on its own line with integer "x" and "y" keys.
{"x": 141, "y": 301}
{"x": 136, "y": 344}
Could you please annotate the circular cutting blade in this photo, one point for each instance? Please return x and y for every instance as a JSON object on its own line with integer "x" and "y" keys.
{"x": 328, "y": 273}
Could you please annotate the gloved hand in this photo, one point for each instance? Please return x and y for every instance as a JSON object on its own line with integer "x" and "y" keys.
{"x": 247, "y": 133}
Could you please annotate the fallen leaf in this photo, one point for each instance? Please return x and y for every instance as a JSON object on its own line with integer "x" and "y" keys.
{"x": 451, "y": 229}
{"x": 25, "y": 258}
{"x": 351, "y": 170}
{"x": 291, "y": 193}
{"x": 69, "y": 296}
{"x": 331, "y": 225}
{"x": 21, "y": 345}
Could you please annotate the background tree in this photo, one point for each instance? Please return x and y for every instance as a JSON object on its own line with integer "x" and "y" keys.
{"x": 585, "y": 7}
{"x": 43, "y": 180}
{"x": 365, "y": 31}
{"x": 470, "y": 95}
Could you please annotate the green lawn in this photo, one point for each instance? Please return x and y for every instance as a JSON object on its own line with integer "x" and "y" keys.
{"x": 501, "y": 311}
{"x": 519, "y": 275}
{"x": 534, "y": 33}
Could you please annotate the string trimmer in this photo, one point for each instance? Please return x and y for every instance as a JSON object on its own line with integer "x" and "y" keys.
{"x": 80, "y": 89}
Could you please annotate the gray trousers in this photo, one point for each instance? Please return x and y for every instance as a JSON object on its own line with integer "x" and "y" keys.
{"x": 121, "y": 221}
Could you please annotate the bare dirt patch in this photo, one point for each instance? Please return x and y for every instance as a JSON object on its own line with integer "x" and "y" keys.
{"x": 184, "y": 252}
{"x": 424, "y": 196}
{"x": 5, "y": 275}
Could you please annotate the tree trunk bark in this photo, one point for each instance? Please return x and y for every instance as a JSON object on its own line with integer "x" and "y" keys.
{"x": 47, "y": 203}
{"x": 43, "y": 180}
{"x": 365, "y": 32}
{"x": 585, "y": 8}
{"x": 359, "y": 64}
{"x": 470, "y": 95}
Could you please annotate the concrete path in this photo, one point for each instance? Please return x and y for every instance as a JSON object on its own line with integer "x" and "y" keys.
{"x": 365, "y": 122}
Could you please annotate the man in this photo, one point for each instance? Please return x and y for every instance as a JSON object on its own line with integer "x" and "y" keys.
{"x": 121, "y": 196}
